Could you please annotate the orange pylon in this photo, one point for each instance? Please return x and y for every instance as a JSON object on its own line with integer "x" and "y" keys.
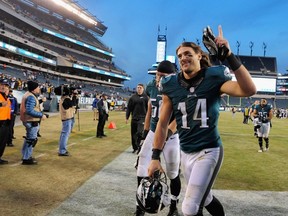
{"x": 112, "y": 125}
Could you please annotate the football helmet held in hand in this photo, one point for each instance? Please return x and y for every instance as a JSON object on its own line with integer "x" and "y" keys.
{"x": 152, "y": 193}
{"x": 209, "y": 42}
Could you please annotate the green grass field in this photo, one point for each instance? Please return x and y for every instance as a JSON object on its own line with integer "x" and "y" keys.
{"x": 43, "y": 187}
{"x": 243, "y": 167}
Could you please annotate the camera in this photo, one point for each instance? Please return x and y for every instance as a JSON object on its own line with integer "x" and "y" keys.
{"x": 62, "y": 90}
{"x": 66, "y": 90}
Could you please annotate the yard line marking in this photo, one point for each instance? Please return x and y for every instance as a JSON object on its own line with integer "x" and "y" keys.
{"x": 71, "y": 144}
{"x": 88, "y": 138}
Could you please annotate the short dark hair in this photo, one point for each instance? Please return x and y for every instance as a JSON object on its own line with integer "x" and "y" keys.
{"x": 140, "y": 84}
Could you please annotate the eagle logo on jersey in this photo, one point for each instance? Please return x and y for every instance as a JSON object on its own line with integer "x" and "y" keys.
{"x": 192, "y": 89}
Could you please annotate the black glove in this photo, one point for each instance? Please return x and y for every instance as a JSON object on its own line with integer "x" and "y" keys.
{"x": 144, "y": 134}
{"x": 209, "y": 42}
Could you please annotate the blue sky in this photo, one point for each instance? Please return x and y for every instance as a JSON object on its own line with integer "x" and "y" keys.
{"x": 133, "y": 28}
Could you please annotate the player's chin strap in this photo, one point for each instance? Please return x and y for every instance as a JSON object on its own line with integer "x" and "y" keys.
{"x": 193, "y": 82}
{"x": 209, "y": 42}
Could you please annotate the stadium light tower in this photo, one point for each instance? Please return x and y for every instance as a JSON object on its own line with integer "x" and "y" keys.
{"x": 264, "y": 47}
{"x": 251, "y": 44}
{"x": 74, "y": 10}
{"x": 161, "y": 46}
{"x": 161, "y": 52}
{"x": 238, "y": 45}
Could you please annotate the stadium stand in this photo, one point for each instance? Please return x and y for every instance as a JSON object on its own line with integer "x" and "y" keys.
{"x": 42, "y": 41}
{"x": 263, "y": 71}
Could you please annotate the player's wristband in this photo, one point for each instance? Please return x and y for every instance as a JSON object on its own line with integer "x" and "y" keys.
{"x": 156, "y": 154}
{"x": 233, "y": 62}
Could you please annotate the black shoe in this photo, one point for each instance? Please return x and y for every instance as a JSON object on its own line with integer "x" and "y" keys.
{"x": 39, "y": 135}
{"x": 64, "y": 154}
{"x": 10, "y": 144}
{"x": 103, "y": 135}
{"x": 99, "y": 136}
{"x": 134, "y": 151}
{"x": 3, "y": 162}
{"x": 30, "y": 161}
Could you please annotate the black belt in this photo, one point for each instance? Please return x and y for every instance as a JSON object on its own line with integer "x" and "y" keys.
{"x": 67, "y": 119}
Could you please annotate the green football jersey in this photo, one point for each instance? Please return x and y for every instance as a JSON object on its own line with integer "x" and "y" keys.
{"x": 156, "y": 101}
{"x": 263, "y": 112}
{"x": 196, "y": 109}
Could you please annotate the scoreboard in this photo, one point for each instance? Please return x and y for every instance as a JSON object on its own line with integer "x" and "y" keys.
{"x": 277, "y": 86}
{"x": 263, "y": 85}
{"x": 282, "y": 85}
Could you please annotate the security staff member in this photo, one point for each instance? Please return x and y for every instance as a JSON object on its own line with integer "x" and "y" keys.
{"x": 137, "y": 107}
{"x": 5, "y": 109}
{"x": 30, "y": 115}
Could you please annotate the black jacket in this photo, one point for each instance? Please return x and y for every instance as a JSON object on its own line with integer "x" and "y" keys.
{"x": 137, "y": 106}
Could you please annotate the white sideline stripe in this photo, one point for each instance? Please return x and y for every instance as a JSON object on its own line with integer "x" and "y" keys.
{"x": 18, "y": 163}
{"x": 71, "y": 144}
{"x": 38, "y": 156}
{"x": 88, "y": 138}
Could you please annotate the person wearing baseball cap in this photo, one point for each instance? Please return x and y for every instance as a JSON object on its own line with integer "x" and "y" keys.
{"x": 30, "y": 115}
{"x": 5, "y": 109}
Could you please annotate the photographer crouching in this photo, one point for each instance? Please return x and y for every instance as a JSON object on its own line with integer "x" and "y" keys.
{"x": 67, "y": 112}
{"x": 30, "y": 115}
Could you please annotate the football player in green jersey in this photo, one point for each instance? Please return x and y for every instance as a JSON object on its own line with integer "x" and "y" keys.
{"x": 171, "y": 151}
{"x": 194, "y": 96}
{"x": 264, "y": 112}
